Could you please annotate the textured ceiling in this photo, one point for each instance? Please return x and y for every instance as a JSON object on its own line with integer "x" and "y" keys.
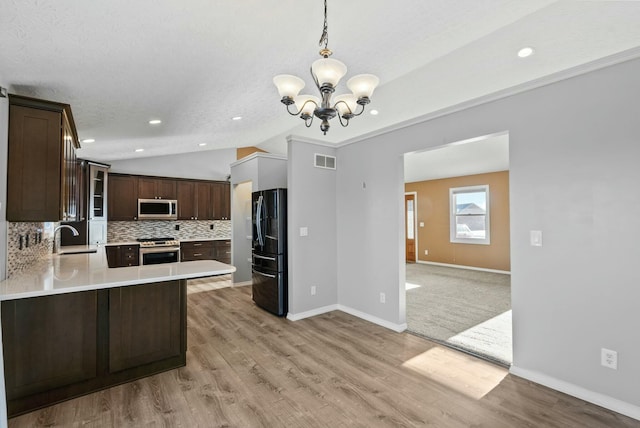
{"x": 196, "y": 64}
{"x": 481, "y": 155}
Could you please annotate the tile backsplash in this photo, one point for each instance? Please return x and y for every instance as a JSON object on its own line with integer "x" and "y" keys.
{"x": 122, "y": 231}
{"x": 21, "y": 256}
{"x": 32, "y": 250}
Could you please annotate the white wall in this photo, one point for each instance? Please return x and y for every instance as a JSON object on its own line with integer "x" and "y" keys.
{"x": 312, "y": 204}
{"x": 4, "y": 130}
{"x": 242, "y": 231}
{"x": 4, "y": 127}
{"x": 574, "y": 175}
{"x": 258, "y": 171}
{"x": 203, "y": 165}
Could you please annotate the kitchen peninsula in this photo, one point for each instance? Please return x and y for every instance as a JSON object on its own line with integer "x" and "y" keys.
{"x": 71, "y": 325}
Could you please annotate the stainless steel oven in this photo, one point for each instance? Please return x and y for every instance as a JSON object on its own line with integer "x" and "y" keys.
{"x": 154, "y": 251}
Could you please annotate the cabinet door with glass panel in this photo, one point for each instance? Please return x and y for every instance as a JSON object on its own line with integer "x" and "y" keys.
{"x": 97, "y": 192}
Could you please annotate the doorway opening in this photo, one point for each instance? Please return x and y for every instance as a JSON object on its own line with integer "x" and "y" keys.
{"x": 458, "y": 284}
{"x": 410, "y": 226}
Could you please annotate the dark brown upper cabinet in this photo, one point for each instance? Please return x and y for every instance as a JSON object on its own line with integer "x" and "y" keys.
{"x": 187, "y": 204}
{"x": 195, "y": 200}
{"x": 204, "y": 190}
{"x": 221, "y": 201}
{"x": 123, "y": 197}
{"x": 42, "y": 179}
{"x": 157, "y": 188}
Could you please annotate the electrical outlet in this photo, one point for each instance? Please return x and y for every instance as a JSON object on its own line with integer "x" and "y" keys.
{"x": 609, "y": 358}
{"x": 177, "y": 227}
{"x": 313, "y": 290}
{"x": 426, "y": 252}
{"x": 383, "y": 298}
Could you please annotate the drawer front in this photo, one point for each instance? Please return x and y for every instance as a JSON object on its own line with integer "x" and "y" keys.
{"x": 190, "y": 254}
{"x": 129, "y": 258}
{"x": 130, "y": 255}
{"x": 223, "y": 251}
{"x": 196, "y": 245}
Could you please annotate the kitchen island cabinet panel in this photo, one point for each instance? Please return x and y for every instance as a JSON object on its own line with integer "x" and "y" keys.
{"x": 62, "y": 346}
{"x": 146, "y": 324}
{"x": 50, "y": 344}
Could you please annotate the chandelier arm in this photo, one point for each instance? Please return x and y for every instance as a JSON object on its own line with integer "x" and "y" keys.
{"x": 308, "y": 122}
{"x": 301, "y": 108}
{"x": 293, "y": 113}
{"x": 335, "y": 106}
{"x": 345, "y": 123}
{"x": 361, "y": 111}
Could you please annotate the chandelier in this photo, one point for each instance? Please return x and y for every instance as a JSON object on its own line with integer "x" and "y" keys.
{"x": 326, "y": 73}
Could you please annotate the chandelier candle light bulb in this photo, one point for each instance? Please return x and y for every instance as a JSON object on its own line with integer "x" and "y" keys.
{"x": 326, "y": 73}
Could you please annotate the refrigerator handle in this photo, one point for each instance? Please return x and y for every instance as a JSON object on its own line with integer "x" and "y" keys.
{"x": 264, "y": 258}
{"x": 263, "y": 274}
{"x": 259, "y": 220}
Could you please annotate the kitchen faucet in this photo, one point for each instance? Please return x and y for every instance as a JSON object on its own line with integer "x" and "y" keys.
{"x": 62, "y": 226}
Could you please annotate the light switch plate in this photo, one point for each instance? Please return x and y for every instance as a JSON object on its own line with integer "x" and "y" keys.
{"x": 304, "y": 231}
{"x": 536, "y": 238}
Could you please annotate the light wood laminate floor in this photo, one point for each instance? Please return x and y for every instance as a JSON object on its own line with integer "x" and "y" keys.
{"x": 247, "y": 368}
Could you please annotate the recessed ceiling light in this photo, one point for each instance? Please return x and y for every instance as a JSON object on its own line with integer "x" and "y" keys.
{"x": 88, "y": 140}
{"x": 202, "y": 144}
{"x": 236, "y": 118}
{"x": 155, "y": 122}
{"x": 139, "y": 150}
{"x": 525, "y": 52}
{"x": 374, "y": 112}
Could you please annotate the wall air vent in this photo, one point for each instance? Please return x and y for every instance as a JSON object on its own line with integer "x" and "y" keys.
{"x": 324, "y": 161}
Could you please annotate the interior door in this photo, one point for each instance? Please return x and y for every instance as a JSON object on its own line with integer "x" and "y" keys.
{"x": 410, "y": 225}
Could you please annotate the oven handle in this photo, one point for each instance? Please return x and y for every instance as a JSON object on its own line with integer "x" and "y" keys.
{"x": 263, "y": 274}
{"x": 159, "y": 250}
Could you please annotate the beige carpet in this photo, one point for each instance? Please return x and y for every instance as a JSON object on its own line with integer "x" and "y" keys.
{"x": 466, "y": 309}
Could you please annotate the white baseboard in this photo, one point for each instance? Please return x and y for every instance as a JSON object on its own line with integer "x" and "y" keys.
{"x": 242, "y": 283}
{"x": 312, "y": 313}
{"x": 464, "y": 267}
{"x": 356, "y": 313}
{"x": 398, "y": 328}
{"x": 601, "y": 400}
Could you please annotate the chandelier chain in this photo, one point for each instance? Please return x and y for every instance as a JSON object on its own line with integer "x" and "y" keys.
{"x": 325, "y": 32}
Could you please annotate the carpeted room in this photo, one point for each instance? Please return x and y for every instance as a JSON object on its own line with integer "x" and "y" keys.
{"x": 458, "y": 290}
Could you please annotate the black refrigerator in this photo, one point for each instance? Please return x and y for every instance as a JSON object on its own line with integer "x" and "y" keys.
{"x": 269, "y": 253}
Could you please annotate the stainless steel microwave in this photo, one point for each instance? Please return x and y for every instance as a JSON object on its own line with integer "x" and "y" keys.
{"x": 157, "y": 209}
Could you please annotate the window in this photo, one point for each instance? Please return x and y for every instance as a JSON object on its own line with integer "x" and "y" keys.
{"x": 469, "y": 208}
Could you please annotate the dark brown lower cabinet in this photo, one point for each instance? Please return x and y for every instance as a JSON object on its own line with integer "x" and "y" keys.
{"x": 59, "y": 347}
{"x": 223, "y": 251}
{"x": 144, "y": 325}
{"x": 206, "y": 250}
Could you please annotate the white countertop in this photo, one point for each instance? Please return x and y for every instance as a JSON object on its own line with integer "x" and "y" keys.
{"x": 60, "y": 274}
{"x": 181, "y": 240}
